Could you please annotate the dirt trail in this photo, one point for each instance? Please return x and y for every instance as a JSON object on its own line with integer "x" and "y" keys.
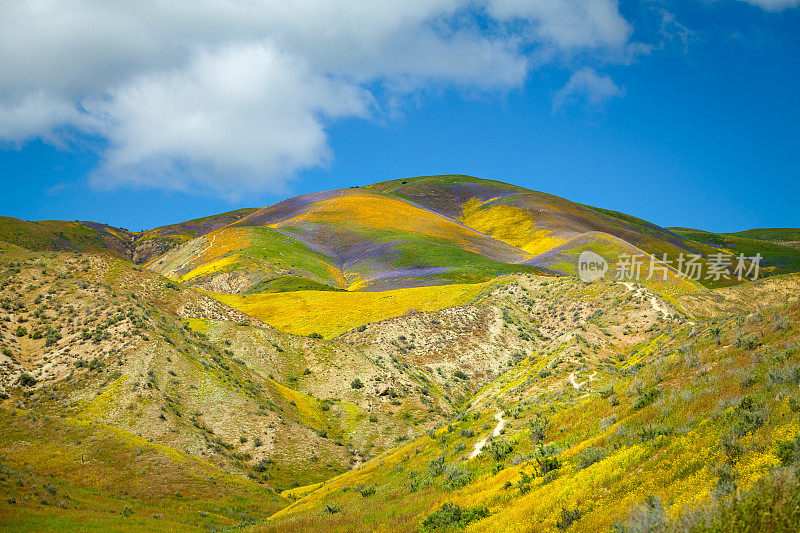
{"x": 579, "y": 386}
{"x": 641, "y": 291}
{"x": 496, "y": 433}
{"x": 199, "y": 253}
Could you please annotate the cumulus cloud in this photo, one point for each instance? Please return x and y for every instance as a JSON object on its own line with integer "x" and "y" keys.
{"x": 773, "y": 5}
{"x": 233, "y": 96}
{"x": 244, "y": 115}
{"x": 589, "y": 85}
{"x": 569, "y": 25}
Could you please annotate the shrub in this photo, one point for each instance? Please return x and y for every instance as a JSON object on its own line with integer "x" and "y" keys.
{"x": 538, "y": 428}
{"x": 645, "y": 398}
{"x": 456, "y": 477}
{"x": 789, "y": 451}
{"x": 314, "y": 335}
{"x": 750, "y": 416}
{"x": 524, "y": 483}
{"x": 590, "y": 456}
{"x": 499, "y": 449}
{"x": 460, "y": 375}
{"x": 26, "y": 380}
{"x": 450, "y": 515}
{"x": 651, "y": 432}
{"x": 52, "y": 338}
{"x": 331, "y": 508}
{"x": 263, "y": 465}
{"x": 781, "y": 323}
{"x": 356, "y": 384}
{"x": 436, "y": 467}
{"x": 548, "y": 464}
{"x": 21, "y": 331}
{"x": 786, "y": 374}
{"x": 568, "y": 516}
{"x": 748, "y": 342}
{"x": 646, "y": 517}
{"x": 771, "y": 504}
{"x": 367, "y": 491}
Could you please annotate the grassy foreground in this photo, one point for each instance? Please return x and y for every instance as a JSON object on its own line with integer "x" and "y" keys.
{"x": 66, "y": 474}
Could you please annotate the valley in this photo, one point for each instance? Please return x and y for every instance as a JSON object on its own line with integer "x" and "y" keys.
{"x": 412, "y": 355}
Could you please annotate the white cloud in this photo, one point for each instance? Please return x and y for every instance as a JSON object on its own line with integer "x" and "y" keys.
{"x": 38, "y": 114}
{"x": 587, "y": 84}
{"x": 235, "y": 119}
{"x": 569, "y": 24}
{"x": 673, "y": 31}
{"x": 773, "y": 5}
{"x": 234, "y": 95}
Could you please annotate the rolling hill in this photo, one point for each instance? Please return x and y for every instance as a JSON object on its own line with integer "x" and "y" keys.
{"x": 780, "y": 252}
{"x": 414, "y": 355}
{"x": 682, "y": 431}
{"x": 77, "y": 236}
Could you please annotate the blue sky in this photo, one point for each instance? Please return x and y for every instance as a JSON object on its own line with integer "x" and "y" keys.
{"x": 682, "y": 113}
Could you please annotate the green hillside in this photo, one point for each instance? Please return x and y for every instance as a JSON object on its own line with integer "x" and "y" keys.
{"x": 639, "y": 439}
{"x": 416, "y": 355}
{"x": 777, "y": 258}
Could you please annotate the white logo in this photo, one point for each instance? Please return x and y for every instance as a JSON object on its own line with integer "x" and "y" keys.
{"x": 591, "y": 266}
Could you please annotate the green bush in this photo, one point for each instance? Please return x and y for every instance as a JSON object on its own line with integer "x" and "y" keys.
{"x": 771, "y": 504}
{"x": 645, "y": 398}
{"x": 548, "y": 464}
{"x": 499, "y": 448}
{"x": 356, "y": 384}
{"x": 450, "y": 515}
{"x": 538, "y": 428}
{"x": 263, "y": 465}
{"x": 26, "y": 380}
{"x": 789, "y": 451}
{"x": 590, "y": 456}
{"x": 568, "y": 517}
{"x": 748, "y": 342}
{"x": 647, "y": 517}
{"x": 456, "y": 477}
{"x": 436, "y": 467}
